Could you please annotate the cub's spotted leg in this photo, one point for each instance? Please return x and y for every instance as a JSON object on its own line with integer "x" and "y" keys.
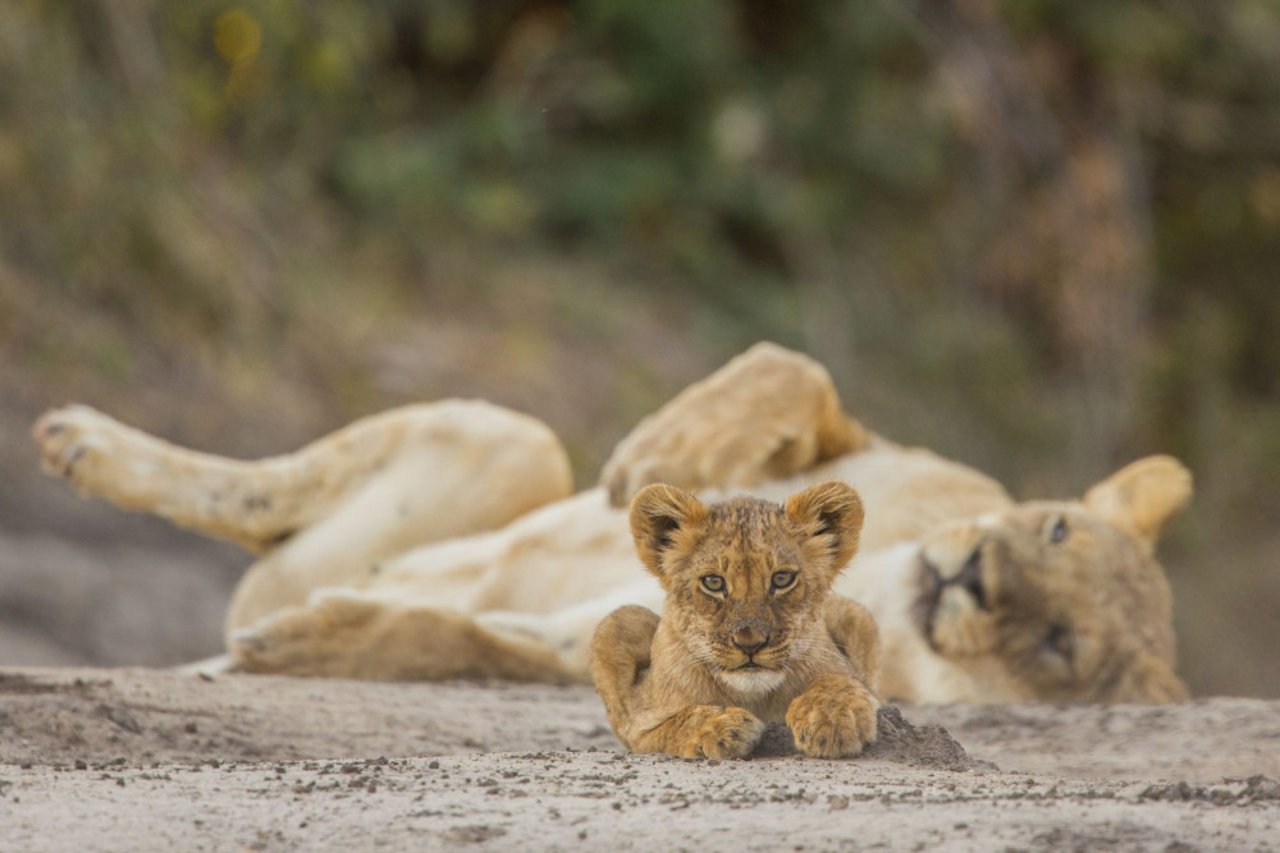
{"x": 343, "y": 634}
{"x": 257, "y": 504}
{"x": 768, "y": 413}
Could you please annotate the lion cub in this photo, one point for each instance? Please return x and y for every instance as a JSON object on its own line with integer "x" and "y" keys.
{"x": 749, "y": 633}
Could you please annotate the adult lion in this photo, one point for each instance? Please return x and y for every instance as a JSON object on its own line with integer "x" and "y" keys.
{"x": 442, "y": 540}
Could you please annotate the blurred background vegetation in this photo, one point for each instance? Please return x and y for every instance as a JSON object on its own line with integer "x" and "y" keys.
{"x": 1039, "y": 236}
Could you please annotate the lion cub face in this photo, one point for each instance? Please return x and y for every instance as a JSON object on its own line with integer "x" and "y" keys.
{"x": 1067, "y": 595}
{"x": 746, "y": 580}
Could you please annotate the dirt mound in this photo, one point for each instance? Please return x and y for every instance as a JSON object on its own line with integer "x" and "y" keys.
{"x": 929, "y": 746}
{"x": 897, "y": 741}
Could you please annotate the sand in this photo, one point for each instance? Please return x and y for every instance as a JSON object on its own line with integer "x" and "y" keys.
{"x": 98, "y": 759}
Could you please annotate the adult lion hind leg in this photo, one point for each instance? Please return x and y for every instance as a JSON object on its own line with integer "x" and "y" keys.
{"x": 344, "y": 634}
{"x": 767, "y": 414}
{"x": 260, "y": 503}
{"x": 462, "y": 469}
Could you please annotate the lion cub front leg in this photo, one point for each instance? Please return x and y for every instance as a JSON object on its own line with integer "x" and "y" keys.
{"x": 620, "y": 666}
{"x": 835, "y": 716}
{"x": 702, "y": 731}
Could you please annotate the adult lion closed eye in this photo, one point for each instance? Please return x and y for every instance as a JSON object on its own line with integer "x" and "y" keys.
{"x": 447, "y": 543}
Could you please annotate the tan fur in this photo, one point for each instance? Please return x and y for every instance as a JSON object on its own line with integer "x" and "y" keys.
{"x": 793, "y": 405}
{"x": 766, "y": 643}
{"x": 451, "y": 526}
{"x": 347, "y": 636}
{"x": 331, "y": 513}
{"x": 1024, "y": 587}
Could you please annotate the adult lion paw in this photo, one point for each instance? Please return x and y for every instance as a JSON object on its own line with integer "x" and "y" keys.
{"x": 78, "y": 443}
{"x": 834, "y": 718}
{"x": 326, "y": 638}
{"x": 768, "y": 413}
{"x": 732, "y": 733}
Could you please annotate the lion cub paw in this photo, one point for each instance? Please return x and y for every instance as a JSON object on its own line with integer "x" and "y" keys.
{"x": 731, "y": 733}
{"x": 834, "y": 718}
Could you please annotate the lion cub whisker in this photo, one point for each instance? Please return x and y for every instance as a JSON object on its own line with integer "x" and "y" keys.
{"x": 750, "y": 633}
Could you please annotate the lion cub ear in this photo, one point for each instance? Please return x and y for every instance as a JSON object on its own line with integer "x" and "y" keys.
{"x": 1143, "y": 495}
{"x": 831, "y": 509}
{"x": 663, "y": 517}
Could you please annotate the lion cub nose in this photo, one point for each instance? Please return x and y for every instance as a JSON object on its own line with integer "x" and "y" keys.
{"x": 750, "y": 640}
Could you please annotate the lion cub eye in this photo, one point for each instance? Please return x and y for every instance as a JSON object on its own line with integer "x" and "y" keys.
{"x": 712, "y": 583}
{"x": 1059, "y": 531}
{"x": 782, "y": 580}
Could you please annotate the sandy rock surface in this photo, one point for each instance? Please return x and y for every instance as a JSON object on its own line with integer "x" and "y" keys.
{"x": 152, "y": 760}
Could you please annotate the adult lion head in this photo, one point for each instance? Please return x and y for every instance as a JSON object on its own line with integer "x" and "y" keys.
{"x": 1067, "y": 595}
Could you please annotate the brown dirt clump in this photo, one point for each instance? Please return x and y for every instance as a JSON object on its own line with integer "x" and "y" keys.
{"x": 897, "y": 741}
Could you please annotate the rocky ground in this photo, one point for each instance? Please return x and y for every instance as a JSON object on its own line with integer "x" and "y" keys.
{"x": 99, "y": 759}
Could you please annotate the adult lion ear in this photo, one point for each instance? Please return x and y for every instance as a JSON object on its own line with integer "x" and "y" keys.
{"x": 830, "y": 511}
{"x": 663, "y": 516}
{"x": 1142, "y": 496}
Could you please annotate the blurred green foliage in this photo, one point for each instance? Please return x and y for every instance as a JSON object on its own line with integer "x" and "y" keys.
{"x": 1040, "y": 235}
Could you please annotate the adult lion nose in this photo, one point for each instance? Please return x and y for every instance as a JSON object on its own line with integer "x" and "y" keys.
{"x": 933, "y": 583}
{"x": 749, "y": 640}
{"x": 969, "y": 577}
{"x": 932, "y": 577}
